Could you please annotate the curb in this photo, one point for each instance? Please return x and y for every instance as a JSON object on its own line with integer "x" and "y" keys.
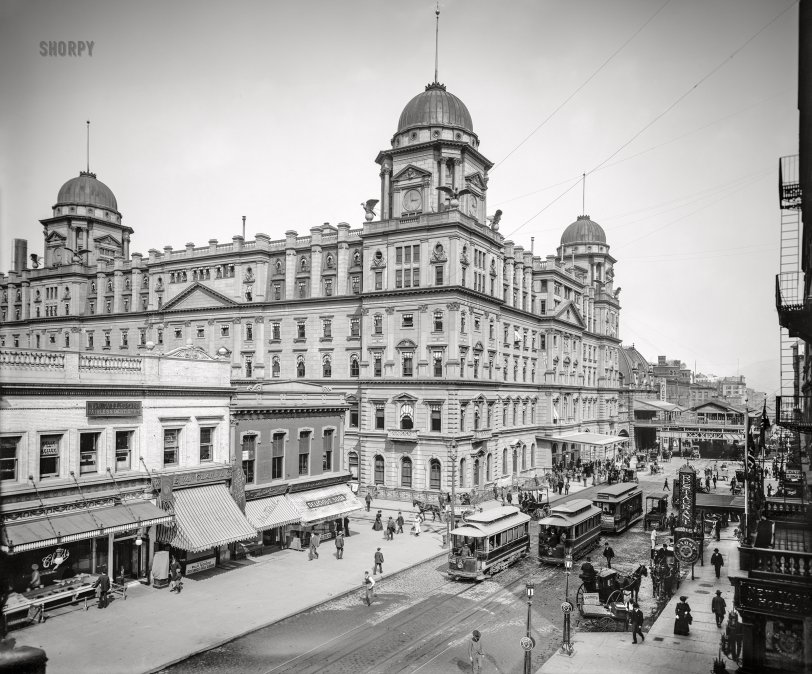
{"x": 316, "y": 604}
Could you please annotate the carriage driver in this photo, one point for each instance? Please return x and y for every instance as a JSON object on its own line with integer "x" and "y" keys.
{"x": 588, "y": 575}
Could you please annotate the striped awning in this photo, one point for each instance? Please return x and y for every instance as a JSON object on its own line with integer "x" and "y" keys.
{"x": 206, "y": 517}
{"x": 80, "y": 525}
{"x": 327, "y": 503}
{"x": 267, "y": 513}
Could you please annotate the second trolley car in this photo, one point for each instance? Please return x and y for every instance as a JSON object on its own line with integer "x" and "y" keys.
{"x": 574, "y": 526}
{"x": 621, "y": 505}
{"x": 488, "y": 542}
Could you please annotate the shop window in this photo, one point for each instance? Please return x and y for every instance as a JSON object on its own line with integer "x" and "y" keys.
{"x": 88, "y": 452}
{"x": 379, "y": 470}
{"x": 49, "y": 456}
{"x": 406, "y": 473}
{"x": 327, "y": 453}
{"x": 124, "y": 441}
{"x": 171, "y": 446}
{"x": 9, "y": 457}
{"x": 434, "y": 474}
{"x": 206, "y": 444}
{"x": 353, "y": 464}
{"x": 304, "y": 452}
{"x": 379, "y": 417}
{"x": 278, "y": 456}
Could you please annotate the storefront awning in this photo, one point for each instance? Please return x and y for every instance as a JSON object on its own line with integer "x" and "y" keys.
{"x": 80, "y": 525}
{"x": 324, "y": 504}
{"x": 206, "y": 517}
{"x": 267, "y": 513}
{"x": 596, "y": 439}
{"x": 719, "y": 502}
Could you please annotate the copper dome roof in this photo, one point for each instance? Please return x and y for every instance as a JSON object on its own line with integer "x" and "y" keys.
{"x": 86, "y": 190}
{"x": 583, "y": 230}
{"x": 435, "y": 106}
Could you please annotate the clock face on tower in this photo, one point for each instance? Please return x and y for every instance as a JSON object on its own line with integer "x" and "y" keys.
{"x": 473, "y": 204}
{"x": 412, "y": 200}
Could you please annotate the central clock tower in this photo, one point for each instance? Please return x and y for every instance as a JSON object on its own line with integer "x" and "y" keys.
{"x": 434, "y": 146}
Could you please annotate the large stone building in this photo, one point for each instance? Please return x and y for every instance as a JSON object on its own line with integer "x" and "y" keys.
{"x": 426, "y": 322}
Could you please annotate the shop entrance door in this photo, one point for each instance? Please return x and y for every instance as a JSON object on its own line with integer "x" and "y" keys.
{"x": 127, "y": 560}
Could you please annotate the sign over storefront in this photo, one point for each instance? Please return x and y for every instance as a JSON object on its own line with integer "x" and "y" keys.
{"x": 113, "y": 408}
{"x": 328, "y": 500}
{"x": 687, "y": 497}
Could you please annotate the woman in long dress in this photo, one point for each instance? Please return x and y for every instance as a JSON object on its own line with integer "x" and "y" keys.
{"x": 378, "y": 525}
{"x": 684, "y": 619}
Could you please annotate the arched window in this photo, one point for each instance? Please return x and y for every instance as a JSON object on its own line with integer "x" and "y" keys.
{"x": 303, "y": 264}
{"x": 67, "y": 340}
{"x": 275, "y": 366}
{"x": 379, "y": 473}
{"x": 515, "y": 461}
{"x": 533, "y": 455}
{"x": 352, "y": 459}
{"x": 300, "y": 366}
{"x": 406, "y": 472}
{"x": 462, "y": 473}
{"x": 524, "y": 457}
{"x": 488, "y": 460}
{"x": 329, "y": 261}
{"x": 355, "y": 370}
{"x": 406, "y": 416}
{"x": 326, "y": 367}
{"x": 434, "y": 474}
{"x": 504, "y": 461}
{"x": 476, "y": 472}
{"x": 476, "y": 417}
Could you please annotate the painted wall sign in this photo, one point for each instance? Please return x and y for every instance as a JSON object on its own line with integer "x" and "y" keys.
{"x": 687, "y": 497}
{"x": 196, "y": 478}
{"x": 113, "y": 408}
{"x": 327, "y": 500}
{"x": 200, "y": 565}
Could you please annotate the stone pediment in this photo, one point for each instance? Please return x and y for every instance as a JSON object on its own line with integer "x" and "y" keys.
{"x": 190, "y": 353}
{"x": 198, "y": 296}
{"x": 55, "y": 238}
{"x": 475, "y": 181}
{"x": 569, "y": 312}
{"x": 410, "y": 172}
{"x": 107, "y": 240}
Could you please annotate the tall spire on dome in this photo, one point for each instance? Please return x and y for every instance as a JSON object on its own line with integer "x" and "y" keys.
{"x": 88, "y": 146}
{"x": 436, "y": 42}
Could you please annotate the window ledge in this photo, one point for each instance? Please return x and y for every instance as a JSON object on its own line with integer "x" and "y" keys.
{"x": 299, "y": 340}
{"x": 325, "y": 339}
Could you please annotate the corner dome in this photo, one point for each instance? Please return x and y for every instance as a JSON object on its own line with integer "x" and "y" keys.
{"x": 86, "y": 190}
{"x": 435, "y": 107}
{"x": 583, "y": 230}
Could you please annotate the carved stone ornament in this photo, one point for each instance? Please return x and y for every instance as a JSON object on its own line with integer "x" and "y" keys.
{"x": 438, "y": 254}
{"x": 423, "y": 308}
{"x": 259, "y": 320}
{"x": 453, "y": 306}
{"x": 493, "y": 267}
{"x": 390, "y": 310}
{"x": 378, "y": 260}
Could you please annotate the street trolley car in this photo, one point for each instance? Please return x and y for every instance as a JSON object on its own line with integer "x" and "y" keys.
{"x": 488, "y": 542}
{"x": 656, "y": 511}
{"x": 575, "y": 525}
{"x": 621, "y": 505}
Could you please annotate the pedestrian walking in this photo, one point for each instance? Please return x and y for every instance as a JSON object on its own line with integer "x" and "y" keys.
{"x": 716, "y": 561}
{"x": 560, "y": 486}
{"x": 719, "y": 608}
{"x": 769, "y": 490}
{"x": 637, "y": 623}
{"x": 416, "y": 524}
{"x": 346, "y": 526}
{"x": 400, "y": 522}
{"x": 475, "y": 653}
{"x": 369, "y": 588}
{"x": 340, "y": 545}
{"x": 734, "y": 631}
{"x": 665, "y": 485}
{"x": 176, "y": 576}
{"x": 510, "y": 498}
{"x": 368, "y": 499}
{"x": 684, "y": 618}
{"x": 377, "y": 525}
{"x": 390, "y": 528}
{"x": 653, "y": 539}
{"x": 378, "y": 562}
{"x": 103, "y": 587}
{"x": 714, "y": 483}
{"x": 315, "y": 539}
{"x": 717, "y": 528}
{"x": 609, "y": 554}
{"x": 567, "y": 486}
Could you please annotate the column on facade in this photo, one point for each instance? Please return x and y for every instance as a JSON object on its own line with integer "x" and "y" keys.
{"x": 392, "y": 330}
{"x": 290, "y": 263}
{"x": 101, "y": 290}
{"x": 343, "y": 264}
{"x": 315, "y": 262}
{"x": 441, "y": 169}
{"x": 259, "y": 354}
{"x": 423, "y": 352}
{"x": 528, "y": 280}
{"x": 453, "y": 329}
{"x": 25, "y": 288}
{"x": 518, "y": 268}
{"x": 118, "y": 288}
{"x": 454, "y": 251}
{"x": 236, "y": 343}
{"x": 125, "y": 245}
{"x": 457, "y": 177}
{"x": 386, "y": 189}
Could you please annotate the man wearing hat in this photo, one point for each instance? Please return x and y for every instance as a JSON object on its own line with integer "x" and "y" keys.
{"x": 716, "y": 561}
{"x": 718, "y": 606}
{"x": 609, "y": 554}
{"x": 637, "y": 623}
{"x": 475, "y": 654}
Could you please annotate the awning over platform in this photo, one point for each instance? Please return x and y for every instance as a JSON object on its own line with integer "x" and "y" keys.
{"x": 206, "y": 517}
{"x": 324, "y": 504}
{"x": 80, "y": 525}
{"x": 596, "y": 439}
{"x": 719, "y": 502}
{"x": 268, "y": 513}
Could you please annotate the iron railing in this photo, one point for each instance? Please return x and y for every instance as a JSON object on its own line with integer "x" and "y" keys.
{"x": 793, "y": 411}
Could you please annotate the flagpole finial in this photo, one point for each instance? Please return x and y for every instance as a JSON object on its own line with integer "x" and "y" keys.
{"x": 88, "y": 146}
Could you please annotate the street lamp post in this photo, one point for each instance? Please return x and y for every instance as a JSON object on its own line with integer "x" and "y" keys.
{"x": 566, "y": 607}
{"x": 452, "y": 455}
{"x": 530, "y": 587}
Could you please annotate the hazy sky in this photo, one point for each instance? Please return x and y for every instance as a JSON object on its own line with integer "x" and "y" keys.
{"x": 202, "y": 113}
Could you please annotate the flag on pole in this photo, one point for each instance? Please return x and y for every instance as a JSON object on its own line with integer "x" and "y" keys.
{"x": 763, "y": 427}
{"x": 751, "y": 449}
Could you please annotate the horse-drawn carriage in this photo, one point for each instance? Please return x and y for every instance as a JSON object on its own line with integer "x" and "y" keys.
{"x": 601, "y": 598}
{"x": 531, "y": 505}
{"x": 656, "y": 511}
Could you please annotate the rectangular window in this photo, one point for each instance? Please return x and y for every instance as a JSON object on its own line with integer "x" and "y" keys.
{"x": 277, "y": 291}
{"x": 8, "y": 457}
{"x": 201, "y": 331}
{"x": 354, "y": 416}
{"x": 437, "y": 358}
{"x": 436, "y": 418}
{"x": 327, "y": 326}
{"x": 206, "y": 444}
{"x": 377, "y": 370}
{"x": 249, "y": 446}
{"x": 276, "y": 330}
{"x": 377, "y": 322}
{"x": 408, "y": 360}
{"x": 416, "y": 277}
{"x": 178, "y": 333}
{"x": 302, "y": 289}
{"x": 379, "y": 417}
{"x": 378, "y": 280}
{"x": 49, "y": 456}
{"x": 407, "y": 321}
{"x": 88, "y": 452}
{"x": 328, "y": 287}
{"x": 438, "y": 321}
{"x": 438, "y": 275}
{"x": 416, "y": 254}
{"x": 356, "y": 285}
{"x": 124, "y": 338}
{"x": 355, "y": 327}
{"x": 398, "y": 255}
{"x": 160, "y": 338}
{"x": 89, "y": 340}
{"x": 123, "y": 449}
{"x": 300, "y": 329}
{"x": 171, "y": 446}
{"x": 249, "y": 332}
{"x": 398, "y": 278}
{"x": 304, "y": 452}
{"x": 248, "y": 470}
{"x": 278, "y": 456}
{"x": 224, "y": 330}
{"x": 327, "y": 455}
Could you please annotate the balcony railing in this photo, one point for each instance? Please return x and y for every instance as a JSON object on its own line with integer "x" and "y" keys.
{"x": 772, "y": 564}
{"x": 794, "y": 412}
{"x": 402, "y": 435}
{"x": 482, "y": 434}
{"x": 787, "y": 509}
{"x": 789, "y": 291}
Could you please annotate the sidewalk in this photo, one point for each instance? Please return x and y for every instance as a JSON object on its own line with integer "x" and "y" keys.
{"x": 155, "y": 628}
{"x": 662, "y": 651}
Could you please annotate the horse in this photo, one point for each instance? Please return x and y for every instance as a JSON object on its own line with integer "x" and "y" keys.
{"x": 631, "y": 583}
{"x": 425, "y": 506}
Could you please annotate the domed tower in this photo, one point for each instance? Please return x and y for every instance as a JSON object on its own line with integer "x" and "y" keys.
{"x": 85, "y": 226}
{"x": 434, "y": 146}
